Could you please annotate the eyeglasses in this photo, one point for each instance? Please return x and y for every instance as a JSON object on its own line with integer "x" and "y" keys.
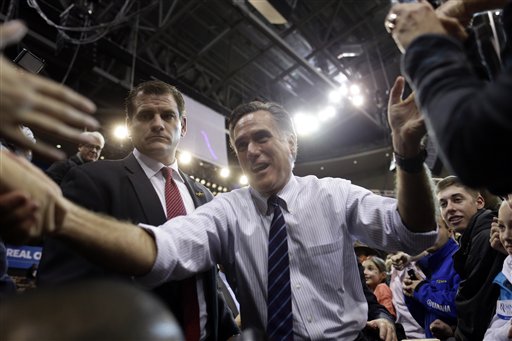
{"x": 91, "y": 146}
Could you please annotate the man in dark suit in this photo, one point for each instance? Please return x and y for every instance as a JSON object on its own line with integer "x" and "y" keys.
{"x": 87, "y": 152}
{"x": 133, "y": 189}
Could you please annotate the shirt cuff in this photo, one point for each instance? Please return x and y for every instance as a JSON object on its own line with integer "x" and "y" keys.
{"x": 414, "y": 242}
{"x": 160, "y": 270}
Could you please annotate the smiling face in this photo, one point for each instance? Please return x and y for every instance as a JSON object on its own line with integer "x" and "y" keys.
{"x": 372, "y": 274}
{"x": 505, "y": 226}
{"x": 156, "y": 126}
{"x": 458, "y": 206}
{"x": 264, "y": 151}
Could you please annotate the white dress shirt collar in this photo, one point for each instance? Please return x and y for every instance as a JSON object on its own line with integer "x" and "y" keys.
{"x": 152, "y": 167}
{"x": 287, "y": 196}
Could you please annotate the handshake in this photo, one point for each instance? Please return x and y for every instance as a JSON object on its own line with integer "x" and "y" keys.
{"x": 43, "y": 212}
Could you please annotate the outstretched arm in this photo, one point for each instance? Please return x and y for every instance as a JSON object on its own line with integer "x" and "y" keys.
{"x": 120, "y": 246}
{"x": 414, "y": 187}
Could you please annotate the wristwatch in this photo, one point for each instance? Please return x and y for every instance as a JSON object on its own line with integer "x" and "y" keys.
{"x": 411, "y": 164}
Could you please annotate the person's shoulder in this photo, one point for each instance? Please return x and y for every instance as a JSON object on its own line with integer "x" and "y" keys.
{"x": 382, "y": 289}
{"x": 482, "y": 221}
{"x": 327, "y": 182}
{"x": 59, "y": 164}
{"x": 102, "y": 165}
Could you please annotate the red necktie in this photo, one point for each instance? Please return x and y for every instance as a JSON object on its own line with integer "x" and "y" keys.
{"x": 174, "y": 206}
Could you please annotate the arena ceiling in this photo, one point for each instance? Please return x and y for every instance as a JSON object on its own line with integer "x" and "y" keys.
{"x": 225, "y": 52}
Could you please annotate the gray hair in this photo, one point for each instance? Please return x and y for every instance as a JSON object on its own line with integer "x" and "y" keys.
{"x": 96, "y": 135}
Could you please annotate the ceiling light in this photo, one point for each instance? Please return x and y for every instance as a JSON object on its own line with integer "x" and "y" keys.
{"x": 306, "y": 123}
{"x": 185, "y": 158}
{"x": 357, "y": 100}
{"x": 243, "y": 180}
{"x": 350, "y": 50}
{"x": 355, "y": 89}
{"x": 224, "y": 172}
{"x": 120, "y": 132}
{"x": 327, "y": 113}
{"x": 268, "y": 11}
{"x": 335, "y": 96}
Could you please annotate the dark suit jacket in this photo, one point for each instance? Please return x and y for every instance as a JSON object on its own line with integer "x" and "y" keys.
{"x": 122, "y": 190}
{"x": 58, "y": 170}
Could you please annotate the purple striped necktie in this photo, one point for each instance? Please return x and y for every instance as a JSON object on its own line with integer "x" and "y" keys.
{"x": 279, "y": 297}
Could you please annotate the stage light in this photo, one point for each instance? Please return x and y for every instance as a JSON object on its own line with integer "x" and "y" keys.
{"x": 185, "y": 158}
{"x": 357, "y": 100}
{"x": 120, "y": 132}
{"x": 224, "y": 172}
{"x": 306, "y": 123}
{"x": 327, "y": 113}
{"x": 243, "y": 180}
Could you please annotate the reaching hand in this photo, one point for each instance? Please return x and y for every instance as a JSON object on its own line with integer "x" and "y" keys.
{"x": 400, "y": 260}
{"x": 37, "y": 102}
{"x": 406, "y": 122}
{"x": 441, "y": 330}
{"x": 17, "y": 212}
{"x": 495, "y": 237}
{"x": 386, "y": 329}
{"x": 409, "y": 285}
{"x": 45, "y": 208}
{"x": 406, "y": 22}
{"x": 11, "y": 33}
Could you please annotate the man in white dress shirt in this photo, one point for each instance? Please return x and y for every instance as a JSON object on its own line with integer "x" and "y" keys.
{"x": 323, "y": 218}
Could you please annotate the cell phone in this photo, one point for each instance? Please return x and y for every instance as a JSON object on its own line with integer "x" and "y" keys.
{"x": 29, "y": 61}
{"x": 412, "y": 274}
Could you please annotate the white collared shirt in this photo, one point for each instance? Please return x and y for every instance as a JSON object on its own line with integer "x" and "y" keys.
{"x": 152, "y": 168}
{"x": 323, "y": 217}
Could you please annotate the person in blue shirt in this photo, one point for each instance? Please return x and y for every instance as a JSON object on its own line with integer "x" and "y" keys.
{"x": 433, "y": 299}
{"x": 501, "y": 324}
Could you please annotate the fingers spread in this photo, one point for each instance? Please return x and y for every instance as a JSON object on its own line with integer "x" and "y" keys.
{"x": 11, "y": 32}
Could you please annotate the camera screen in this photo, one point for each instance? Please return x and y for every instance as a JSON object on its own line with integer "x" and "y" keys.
{"x": 29, "y": 61}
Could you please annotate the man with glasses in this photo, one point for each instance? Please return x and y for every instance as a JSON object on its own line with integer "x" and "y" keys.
{"x": 87, "y": 152}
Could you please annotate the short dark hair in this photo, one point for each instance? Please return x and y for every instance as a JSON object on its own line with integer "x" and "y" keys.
{"x": 281, "y": 116}
{"x": 154, "y": 87}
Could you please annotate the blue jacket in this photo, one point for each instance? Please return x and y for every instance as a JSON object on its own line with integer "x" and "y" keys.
{"x": 500, "y": 324}
{"x": 434, "y": 298}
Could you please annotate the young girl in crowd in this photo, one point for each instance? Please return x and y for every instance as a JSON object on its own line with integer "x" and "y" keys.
{"x": 375, "y": 276}
{"x": 501, "y": 325}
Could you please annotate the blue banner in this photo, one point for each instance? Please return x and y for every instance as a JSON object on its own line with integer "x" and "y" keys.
{"x": 23, "y": 257}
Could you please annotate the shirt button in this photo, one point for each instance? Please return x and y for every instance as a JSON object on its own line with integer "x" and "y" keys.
{"x": 297, "y": 286}
{"x": 310, "y": 319}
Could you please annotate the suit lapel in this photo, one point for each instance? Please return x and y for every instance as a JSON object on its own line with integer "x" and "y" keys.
{"x": 197, "y": 193}
{"x": 145, "y": 192}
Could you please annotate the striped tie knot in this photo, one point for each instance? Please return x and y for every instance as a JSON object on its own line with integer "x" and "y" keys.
{"x": 167, "y": 173}
{"x": 273, "y": 202}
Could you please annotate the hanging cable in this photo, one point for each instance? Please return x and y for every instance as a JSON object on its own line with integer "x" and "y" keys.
{"x": 97, "y": 31}
{"x": 134, "y": 52}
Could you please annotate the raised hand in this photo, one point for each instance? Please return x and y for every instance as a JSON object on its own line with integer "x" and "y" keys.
{"x": 406, "y": 122}
{"x": 38, "y": 103}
